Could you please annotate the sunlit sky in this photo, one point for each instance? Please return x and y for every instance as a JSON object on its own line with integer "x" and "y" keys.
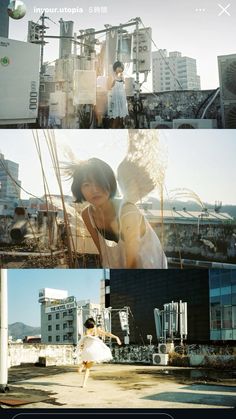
{"x": 176, "y": 26}
{"x": 201, "y": 160}
{"x": 24, "y": 286}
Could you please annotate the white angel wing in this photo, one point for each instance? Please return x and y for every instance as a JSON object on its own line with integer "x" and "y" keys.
{"x": 183, "y": 193}
{"x": 143, "y": 168}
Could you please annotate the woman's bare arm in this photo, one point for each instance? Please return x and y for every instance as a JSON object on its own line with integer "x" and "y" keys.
{"x": 102, "y": 332}
{"x": 131, "y": 220}
{"x": 91, "y": 229}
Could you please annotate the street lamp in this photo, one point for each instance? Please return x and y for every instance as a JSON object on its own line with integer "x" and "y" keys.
{"x": 3, "y": 332}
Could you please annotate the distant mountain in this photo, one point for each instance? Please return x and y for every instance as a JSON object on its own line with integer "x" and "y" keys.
{"x": 20, "y": 330}
{"x": 191, "y": 206}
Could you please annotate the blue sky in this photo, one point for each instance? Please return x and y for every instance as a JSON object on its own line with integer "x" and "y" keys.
{"x": 176, "y": 26}
{"x": 200, "y": 160}
{"x": 24, "y": 285}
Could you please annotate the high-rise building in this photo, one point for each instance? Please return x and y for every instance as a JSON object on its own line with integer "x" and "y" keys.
{"x": 222, "y": 283}
{"x": 4, "y": 18}
{"x": 210, "y": 297}
{"x": 9, "y": 172}
{"x": 62, "y": 317}
{"x": 167, "y": 69}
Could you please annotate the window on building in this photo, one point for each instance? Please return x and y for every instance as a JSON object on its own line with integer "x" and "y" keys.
{"x": 49, "y": 327}
{"x": 225, "y": 299}
{"x": 215, "y": 292}
{"x": 42, "y": 87}
{"x": 215, "y": 316}
{"x": 57, "y": 338}
{"x": 64, "y": 325}
{"x": 225, "y": 279}
{"x": 64, "y": 337}
{"x": 227, "y": 317}
{"x": 49, "y": 317}
{"x": 234, "y": 317}
{"x": 233, "y": 277}
{"x": 233, "y": 294}
{"x": 64, "y": 313}
{"x": 57, "y": 315}
{"x": 57, "y": 327}
{"x": 49, "y": 338}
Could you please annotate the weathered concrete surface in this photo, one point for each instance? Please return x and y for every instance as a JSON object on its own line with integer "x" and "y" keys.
{"x": 118, "y": 386}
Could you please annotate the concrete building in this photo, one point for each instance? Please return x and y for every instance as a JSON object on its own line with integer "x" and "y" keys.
{"x": 208, "y": 234}
{"x": 62, "y": 317}
{"x": 168, "y": 70}
{"x": 210, "y": 297}
{"x": 4, "y": 18}
{"x": 9, "y": 191}
{"x": 8, "y": 187}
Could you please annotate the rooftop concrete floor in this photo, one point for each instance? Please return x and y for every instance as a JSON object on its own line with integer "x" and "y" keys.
{"x": 116, "y": 386}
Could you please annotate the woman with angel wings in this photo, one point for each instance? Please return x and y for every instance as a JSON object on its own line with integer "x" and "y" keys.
{"x": 121, "y": 233}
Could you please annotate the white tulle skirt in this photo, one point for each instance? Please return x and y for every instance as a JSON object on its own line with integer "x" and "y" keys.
{"x": 118, "y": 103}
{"x": 94, "y": 350}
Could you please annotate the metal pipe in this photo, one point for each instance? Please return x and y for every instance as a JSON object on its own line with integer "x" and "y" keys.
{"x": 200, "y": 263}
{"x": 19, "y": 230}
{"x": 113, "y": 28}
{"x": 181, "y": 321}
{"x": 3, "y": 332}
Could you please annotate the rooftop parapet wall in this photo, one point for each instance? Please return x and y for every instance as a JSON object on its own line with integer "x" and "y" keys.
{"x": 20, "y": 353}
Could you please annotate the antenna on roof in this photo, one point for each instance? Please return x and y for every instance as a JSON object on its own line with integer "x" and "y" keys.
{"x": 218, "y": 205}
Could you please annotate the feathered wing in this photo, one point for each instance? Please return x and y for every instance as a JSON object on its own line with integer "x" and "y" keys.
{"x": 143, "y": 168}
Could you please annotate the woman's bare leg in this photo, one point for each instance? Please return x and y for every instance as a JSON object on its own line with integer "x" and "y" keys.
{"x": 88, "y": 365}
{"x": 81, "y": 367}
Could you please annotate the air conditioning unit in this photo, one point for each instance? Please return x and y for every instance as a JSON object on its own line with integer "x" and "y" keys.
{"x": 194, "y": 123}
{"x": 165, "y": 348}
{"x": 84, "y": 87}
{"x": 160, "y": 125}
{"x": 227, "y": 77}
{"x": 160, "y": 359}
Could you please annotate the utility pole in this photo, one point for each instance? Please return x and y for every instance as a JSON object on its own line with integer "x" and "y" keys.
{"x": 137, "y": 105}
{"x": 3, "y": 332}
{"x": 42, "y": 43}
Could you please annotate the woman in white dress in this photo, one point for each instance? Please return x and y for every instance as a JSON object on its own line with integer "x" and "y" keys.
{"x": 118, "y": 108}
{"x": 93, "y": 350}
{"x": 122, "y": 235}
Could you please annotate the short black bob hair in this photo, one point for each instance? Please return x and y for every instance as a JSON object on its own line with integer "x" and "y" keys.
{"x": 90, "y": 323}
{"x": 118, "y": 64}
{"x": 95, "y": 170}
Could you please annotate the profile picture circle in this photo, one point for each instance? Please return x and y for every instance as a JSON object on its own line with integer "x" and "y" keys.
{"x": 16, "y": 9}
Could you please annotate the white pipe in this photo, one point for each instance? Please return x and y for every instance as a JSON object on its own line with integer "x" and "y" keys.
{"x": 181, "y": 321}
{"x": 3, "y": 331}
{"x": 209, "y": 104}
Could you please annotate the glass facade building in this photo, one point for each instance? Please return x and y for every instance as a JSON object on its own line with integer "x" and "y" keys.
{"x": 222, "y": 287}
{"x": 143, "y": 290}
{"x": 210, "y": 296}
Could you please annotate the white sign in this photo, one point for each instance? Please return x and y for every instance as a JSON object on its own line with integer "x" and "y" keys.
{"x": 19, "y": 81}
{"x": 60, "y": 307}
